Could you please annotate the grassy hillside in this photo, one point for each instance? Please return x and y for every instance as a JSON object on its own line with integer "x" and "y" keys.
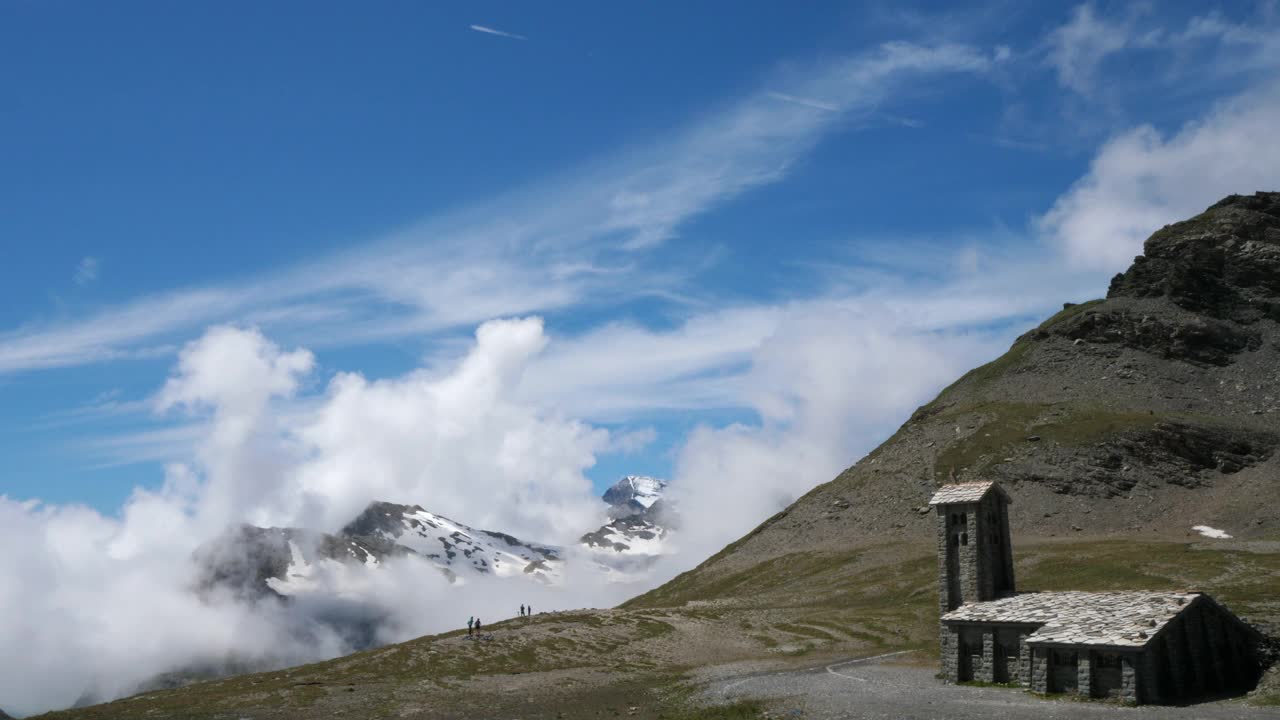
{"x": 801, "y": 608}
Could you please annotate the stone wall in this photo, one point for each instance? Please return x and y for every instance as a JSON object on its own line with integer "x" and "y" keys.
{"x": 1128, "y": 679}
{"x": 1084, "y": 673}
{"x": 1024, "y": 659}
{"x": 943, "y": 607}
{"x": 959, "y": 542}
{"x": 986, "y": 673}
{"x": 1040, "y": 670}
{"x": 950, "y": 641}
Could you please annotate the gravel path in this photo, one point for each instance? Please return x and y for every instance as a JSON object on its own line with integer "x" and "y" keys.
{"x": 870, "y": 688}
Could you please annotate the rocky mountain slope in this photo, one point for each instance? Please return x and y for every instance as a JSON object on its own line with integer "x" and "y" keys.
{"x": 452, "y": 546}
{"x": 1141, "y": 415}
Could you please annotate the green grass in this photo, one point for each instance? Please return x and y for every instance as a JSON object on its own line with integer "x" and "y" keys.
{"x": 1268, "y": 699}
{"x": 894, "y": 606}
{"x": 1011, "y": 360}
{"x": 804, "y": 598}
{"x": 804, "y": 631}
{"x": 788, "y": 570}
{"x": 742, "y": 710}
{"x": 1244, "y": 581}
{"x": 1005, "y": 427}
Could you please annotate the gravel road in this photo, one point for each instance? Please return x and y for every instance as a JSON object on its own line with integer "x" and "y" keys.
{"x": 874, "y": 688}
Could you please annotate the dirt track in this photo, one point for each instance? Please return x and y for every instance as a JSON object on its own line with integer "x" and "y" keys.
{"x": 876, "y": 688}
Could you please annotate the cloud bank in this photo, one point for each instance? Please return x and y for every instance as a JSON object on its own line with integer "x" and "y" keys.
{"x": 490, "y": 439}
{"x": 1142, "y": 180}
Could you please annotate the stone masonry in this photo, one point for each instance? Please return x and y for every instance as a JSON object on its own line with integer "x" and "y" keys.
{"x": 1139, "y": 647}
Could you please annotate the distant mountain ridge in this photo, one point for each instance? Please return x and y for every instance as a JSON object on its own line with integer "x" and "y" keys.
{"x": 640, "y": 520}
{"x": 284, "y": 562}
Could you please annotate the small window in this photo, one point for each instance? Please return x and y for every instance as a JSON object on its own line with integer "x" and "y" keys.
{"x": 964, "y": 519}
{"x": 964, "y": 538}
{"x": 1107, "y": 660}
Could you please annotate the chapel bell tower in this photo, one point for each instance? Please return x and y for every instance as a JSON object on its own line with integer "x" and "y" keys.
{"x": 975, "y": 559}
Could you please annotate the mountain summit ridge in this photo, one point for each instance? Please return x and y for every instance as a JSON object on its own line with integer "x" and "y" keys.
{"x": 1145, "y": 413}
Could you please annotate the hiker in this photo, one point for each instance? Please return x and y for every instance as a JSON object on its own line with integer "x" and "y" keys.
{"x": 477, "y": 627}
{"x": 521, "y": 611}
{"x": 528, "y": 610}
{"x": 470, "y": 621}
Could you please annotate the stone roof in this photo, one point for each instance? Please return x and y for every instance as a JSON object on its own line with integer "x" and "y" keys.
{"x": 970, "y": 492}
{"x": 1116, "y": 619}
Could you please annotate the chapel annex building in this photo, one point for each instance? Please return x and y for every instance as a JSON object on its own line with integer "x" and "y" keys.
{"x": 1140, "y": 647}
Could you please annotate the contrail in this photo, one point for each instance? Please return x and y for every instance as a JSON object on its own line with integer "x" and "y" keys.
{"x": 500, "y": 33}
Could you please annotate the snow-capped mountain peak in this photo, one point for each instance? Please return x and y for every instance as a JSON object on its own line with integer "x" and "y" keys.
{"x": 635, "y": 493}
{"x": 453, "y": 546}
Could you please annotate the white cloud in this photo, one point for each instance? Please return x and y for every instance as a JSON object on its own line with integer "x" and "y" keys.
{"x": 828, "y": 386}
{"x": 86, "y": 271}
{"x": 499, "y": 33}
{"x": 493, "y": 440}
{"x": 234, "y": 371}
{"x": 1209, "y": 48}
{"x": 95, "y": 605}
{"x": 537, "y": 250}
{"x": 1077, "y": 48}
{"x": 1141, "y": 180}
{"x": 630, "y": 443}
{"x": 460, "y": 442}
{"x": 807, "y": 102}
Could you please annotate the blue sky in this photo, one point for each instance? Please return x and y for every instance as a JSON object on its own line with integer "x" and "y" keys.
{"x": 735, "y": 220}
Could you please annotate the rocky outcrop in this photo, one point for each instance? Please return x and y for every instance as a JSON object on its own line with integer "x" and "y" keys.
{"x": 1140, "y": 461}
{"x": 246, "y": 558}
{"x": 1223, "y": 263}
{"x": 1173, "y": 335}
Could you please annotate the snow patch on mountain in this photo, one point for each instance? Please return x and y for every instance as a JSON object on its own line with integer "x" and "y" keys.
{"x": 456, "y": 548}
{"x": 634, "y": 493}
{"x": 636, "y": 533}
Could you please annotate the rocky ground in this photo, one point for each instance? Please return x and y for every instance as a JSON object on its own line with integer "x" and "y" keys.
{"x": 887, "y": 689}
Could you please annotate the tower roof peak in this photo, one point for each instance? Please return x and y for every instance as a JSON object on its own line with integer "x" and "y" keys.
{"x": 968, "y": 492}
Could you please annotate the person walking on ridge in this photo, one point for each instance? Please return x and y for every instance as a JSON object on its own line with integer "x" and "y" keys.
{"x": 521, "y": 611}
{"x": 470, "y": 621}
{"x": 477, "y": 627}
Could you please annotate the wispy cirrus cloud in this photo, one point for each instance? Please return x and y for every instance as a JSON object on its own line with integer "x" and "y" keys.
{"x": 807, "y": 102}
{"x": 500, "y": 33}
{"x": 583, "y": 236}
{"x": 86, "y": 271}
{"x": 1203, "y": 47}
